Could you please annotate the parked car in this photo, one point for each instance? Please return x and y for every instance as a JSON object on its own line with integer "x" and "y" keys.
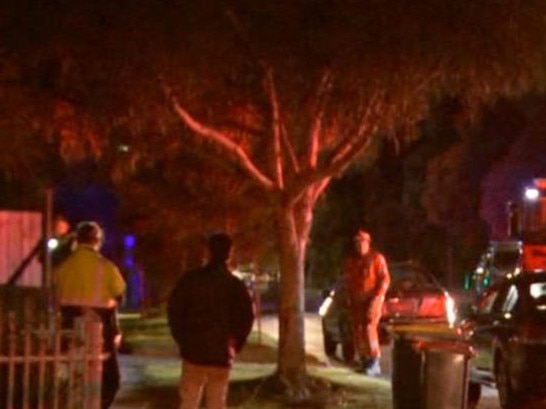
{"x": 500, "y": 259}
{"x": 336, "y": 324}
{"x": 508, "y": 333}
{"x": 414, "y": 295}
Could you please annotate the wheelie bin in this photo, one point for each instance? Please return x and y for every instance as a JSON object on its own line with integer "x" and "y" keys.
{"x": 445, "y": 373}
{"x": 429, "y": 367}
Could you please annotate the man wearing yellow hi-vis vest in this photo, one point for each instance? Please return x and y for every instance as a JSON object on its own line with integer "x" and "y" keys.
{"x": 86, "y": 280}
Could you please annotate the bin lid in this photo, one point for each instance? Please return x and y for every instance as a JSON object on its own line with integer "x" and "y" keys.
{"x": 449, "y": 346}
{"x": 427, "y": 330}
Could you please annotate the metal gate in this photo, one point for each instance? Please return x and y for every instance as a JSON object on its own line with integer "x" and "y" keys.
{"x": 44, "y": 367}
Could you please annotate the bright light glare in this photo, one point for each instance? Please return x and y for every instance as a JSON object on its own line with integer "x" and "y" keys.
{"x": 124, "y": 148}
{"x": 324, "y": 306}
{"x": 537, "y": 290}
{"x": 52, "y": 244}
{"x": 531, "y": 193}
{"x": 130, "y": 241}
{"x": 451, "y": 311}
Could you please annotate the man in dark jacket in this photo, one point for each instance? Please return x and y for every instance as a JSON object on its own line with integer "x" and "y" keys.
{"x": 210, "y": 317}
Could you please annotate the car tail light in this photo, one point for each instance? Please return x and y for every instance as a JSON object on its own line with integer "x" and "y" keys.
{"x": 451, "y": 310}
{"x": 433, "y": 306}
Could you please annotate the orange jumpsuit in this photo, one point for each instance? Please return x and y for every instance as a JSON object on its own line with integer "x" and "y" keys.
{"x": 367, "y": 278}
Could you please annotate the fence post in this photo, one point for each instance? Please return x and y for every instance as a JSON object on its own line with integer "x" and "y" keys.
{"x": 95, "y": 364}
{"x": 89, "y": 329}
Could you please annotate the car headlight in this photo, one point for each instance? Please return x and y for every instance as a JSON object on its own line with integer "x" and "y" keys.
{"x": 323, "y": 309}
{"x": 451, "y": 310}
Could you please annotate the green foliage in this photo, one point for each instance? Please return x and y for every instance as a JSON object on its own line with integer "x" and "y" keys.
{"x": 79, "y": 80}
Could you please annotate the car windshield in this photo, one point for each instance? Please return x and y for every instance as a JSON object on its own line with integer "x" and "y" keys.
{"x": 407, "y": 276}
{"x": 506, "y": 260}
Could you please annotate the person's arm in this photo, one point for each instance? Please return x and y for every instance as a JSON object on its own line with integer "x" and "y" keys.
{"x": 383, "y": 276}
{"x": 383, "y": 280}
{"x": 59, "y": 276}
{"x": 348, "y": 281}
{"x": 117, "y": 284}
{"x": 175, "y": 312}
{"x": 116, "y": 328}
{"x": 243, "y": 315}
{"x": 116, "y": 289}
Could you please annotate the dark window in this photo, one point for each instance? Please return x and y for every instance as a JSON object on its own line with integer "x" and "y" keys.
{"x": 506, "y": 260}
{"x": 406, "y": 277}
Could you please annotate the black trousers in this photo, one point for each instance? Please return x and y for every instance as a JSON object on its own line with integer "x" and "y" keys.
{"x": 111, "y": 377}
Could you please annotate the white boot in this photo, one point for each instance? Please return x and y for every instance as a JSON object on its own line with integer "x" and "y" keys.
{"x": 372, "y": 367}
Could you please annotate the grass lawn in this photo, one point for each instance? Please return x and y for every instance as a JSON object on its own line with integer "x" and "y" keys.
{"x": 251, "y": 385}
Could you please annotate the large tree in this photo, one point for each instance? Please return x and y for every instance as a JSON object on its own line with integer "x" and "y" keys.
{"x": 334, "y": 78}
{"x": 289, "y": 92}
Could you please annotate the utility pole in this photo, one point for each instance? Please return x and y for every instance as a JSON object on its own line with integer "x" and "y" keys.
{"x": 46, "y": 234}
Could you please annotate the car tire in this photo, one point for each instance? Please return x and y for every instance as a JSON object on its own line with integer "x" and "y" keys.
{"x": 330, "y": 345}
{"x": 347, "y": 345}
{"x": 508, "y": 398}
{"x": 474, "y": 395}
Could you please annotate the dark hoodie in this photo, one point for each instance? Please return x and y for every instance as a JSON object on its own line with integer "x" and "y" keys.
{"x": 210, "y": 315}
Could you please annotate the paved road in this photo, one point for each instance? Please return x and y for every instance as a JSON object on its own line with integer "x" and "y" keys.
{"x": 314, "y": 346}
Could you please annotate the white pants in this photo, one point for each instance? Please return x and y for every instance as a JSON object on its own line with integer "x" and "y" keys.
{"x": 214, "y": 380}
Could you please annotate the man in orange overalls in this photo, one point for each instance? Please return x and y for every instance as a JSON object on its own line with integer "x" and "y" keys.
{"x": 367, "y": 278}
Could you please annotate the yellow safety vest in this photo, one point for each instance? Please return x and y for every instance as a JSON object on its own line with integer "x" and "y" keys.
{"x": 87, "y": 278}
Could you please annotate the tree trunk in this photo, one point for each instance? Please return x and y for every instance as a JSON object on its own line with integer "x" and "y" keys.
{"x": 294, "y": 223}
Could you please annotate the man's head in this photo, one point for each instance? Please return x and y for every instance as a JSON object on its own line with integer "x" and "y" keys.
{"x": 89, "y": 233}
{"x": 362, "y": 240}
{"x": 220, "y": 246}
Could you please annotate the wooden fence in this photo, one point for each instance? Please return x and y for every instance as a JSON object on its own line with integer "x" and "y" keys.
{"x": 44, "y": 367}
{"x": 20, "y": 233}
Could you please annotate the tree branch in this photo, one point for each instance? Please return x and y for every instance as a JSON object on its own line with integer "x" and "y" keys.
{"x": 347, "y": 144}
{"x": 318, "y": 117}
{"x": 290, "y": 149}
{"x": 277, "y": 153}
{"x": 218, "y": 138}
{"x": 323, "y": 174}
{"x": 342, "y": 161}
{"x": 321, "y": 187}
{"x": 312, "y": 183}
{"x": 342, "y": 155}
{"x": 278, "y": 135}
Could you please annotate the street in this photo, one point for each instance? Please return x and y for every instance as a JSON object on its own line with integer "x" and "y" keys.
{"x": 314, "y": 346}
